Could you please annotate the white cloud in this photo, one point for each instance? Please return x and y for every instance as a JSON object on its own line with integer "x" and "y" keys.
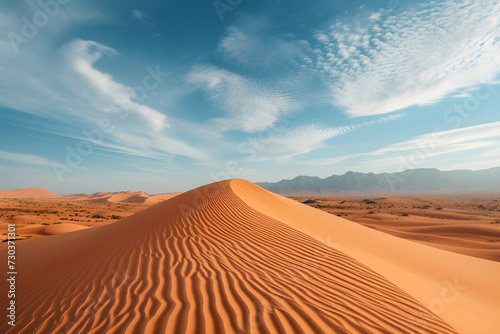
{"x": 427, "y": 145}
{"x": 415, "y": 57}
{"x": 141, "y": 16}
{"x": 138, "y": 14}
{"x": 83, "y": 54}
{"x": 492, "y": 153}
{"x": 375, "y": 16}
{"x": 478, "y": 164}
{"x": 250, "y": 46}
{"x": 419, "y": 155}
{"x": 66, "y": 90}
{"x": 285, "y": 141}
{"x": 29, "y": 159}
{"x": 298, "y": 140}
{"x": 250, "y": 107}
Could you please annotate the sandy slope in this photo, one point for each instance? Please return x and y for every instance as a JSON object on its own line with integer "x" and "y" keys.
{"x": 463, "y": 290}
{"x": 28, "y": 193}
{"x": 233, "y": 258}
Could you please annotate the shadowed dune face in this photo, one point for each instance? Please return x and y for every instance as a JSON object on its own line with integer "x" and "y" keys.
{"x": 205, "y": 264}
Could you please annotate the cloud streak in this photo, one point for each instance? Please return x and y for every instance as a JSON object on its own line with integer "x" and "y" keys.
{"x": 28, "y": 159}
{"x": 428, "y": 145}
{"x": 83, "y": 54}
{"x": 285, "y": 141}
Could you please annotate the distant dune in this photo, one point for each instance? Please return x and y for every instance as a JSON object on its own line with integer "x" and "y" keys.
{"x": 231, "y": 257}
{"x": 51, "y": 229}
{"x": 155, "y": 199}
{"x": 125, "y": 197}
{"x": 28, "y": 193}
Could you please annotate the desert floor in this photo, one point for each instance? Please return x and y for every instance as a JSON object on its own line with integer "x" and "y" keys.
{"x": 231, "y": 257}
{"x": 38, "y": 217}
{"x": 463, "y": 223}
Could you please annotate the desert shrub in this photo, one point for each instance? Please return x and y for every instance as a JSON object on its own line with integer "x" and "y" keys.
{"x": 310, "y": 201}
{"x": 371, "y": 213}
{"x": 405, "y": 215}
{"x": 440, "y": 208}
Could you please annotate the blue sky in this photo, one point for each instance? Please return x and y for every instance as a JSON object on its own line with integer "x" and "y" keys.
{"x": 164, "y": 96}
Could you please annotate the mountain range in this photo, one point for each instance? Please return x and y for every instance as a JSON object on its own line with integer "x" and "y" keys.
{"x": 412, "y": 180}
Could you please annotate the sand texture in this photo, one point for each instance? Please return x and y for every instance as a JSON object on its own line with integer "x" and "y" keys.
{"x": 231, "y": 257}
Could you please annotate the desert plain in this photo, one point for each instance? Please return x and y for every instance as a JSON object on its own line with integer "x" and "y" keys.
{"x": 231, "y": 257}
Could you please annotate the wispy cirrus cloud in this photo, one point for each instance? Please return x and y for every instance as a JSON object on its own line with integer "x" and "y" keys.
{"x": 249, "y": 106}
{"x": 427, "y": 145}
{"x": 286, "y": 141}
{"x": 250, "y": 46}
{"x": 28, "y": 159}
{"x": 415, "y": 57}
{"x": 298, "y": 140}
{"x": 141, "y": 16}
{"x": 417, "y": 157}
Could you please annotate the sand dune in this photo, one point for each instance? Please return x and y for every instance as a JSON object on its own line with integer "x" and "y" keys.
{"x": 155, "y": 199}
{"x": 51, "y": 229}
{"x": 127, "y": 197}
{"x": 233, "y": 258}
{"x": 27, "y": 193}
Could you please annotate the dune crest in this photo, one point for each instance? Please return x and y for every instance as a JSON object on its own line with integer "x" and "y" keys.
{"x": 212, "y": 260}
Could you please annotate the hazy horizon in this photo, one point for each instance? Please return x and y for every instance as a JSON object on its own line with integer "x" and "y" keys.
{"x": 423, "y": 191}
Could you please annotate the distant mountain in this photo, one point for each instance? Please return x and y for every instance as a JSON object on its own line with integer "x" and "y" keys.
{"x": 424, "y": 179}
{"x": 28, "y": 193}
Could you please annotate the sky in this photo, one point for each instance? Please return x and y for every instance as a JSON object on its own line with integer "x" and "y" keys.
{"x": 165, "y": 96}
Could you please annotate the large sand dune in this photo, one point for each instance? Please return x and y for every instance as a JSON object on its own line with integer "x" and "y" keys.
{"x": 233, "y": 258}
